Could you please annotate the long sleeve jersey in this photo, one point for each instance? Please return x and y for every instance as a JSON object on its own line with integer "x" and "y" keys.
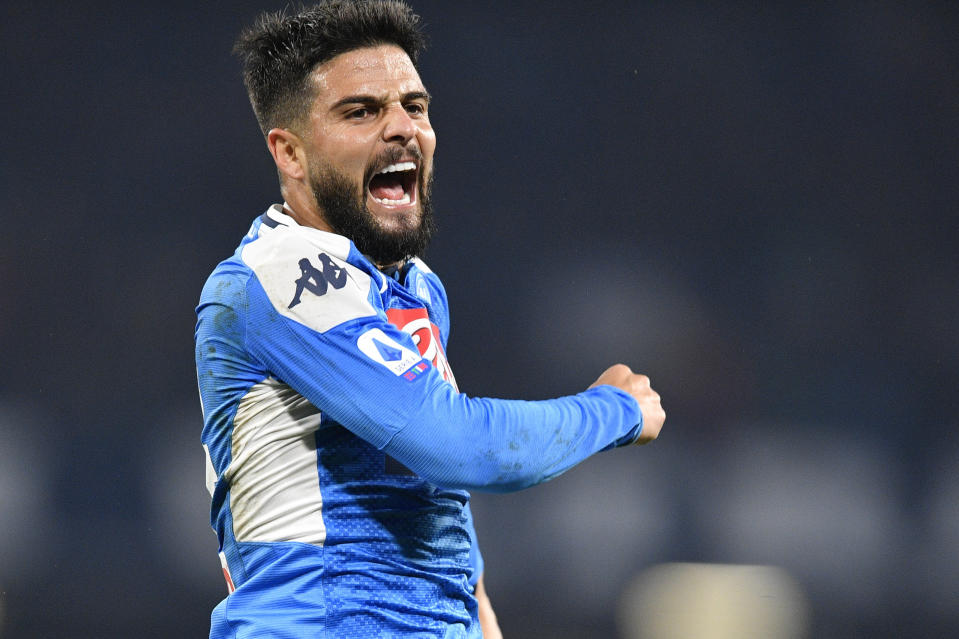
{"x": 340, "y": 450}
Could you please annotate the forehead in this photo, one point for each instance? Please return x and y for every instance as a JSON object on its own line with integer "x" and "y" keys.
{"x": 369, "y": 71}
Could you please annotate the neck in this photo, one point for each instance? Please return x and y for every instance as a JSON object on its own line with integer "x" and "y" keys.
{"x": 303, "y": 209}
{"x": 319, "y": 223}
{"x": 394, "y": 271}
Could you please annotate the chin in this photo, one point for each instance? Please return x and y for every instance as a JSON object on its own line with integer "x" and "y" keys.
{"x": 395, "y": 218}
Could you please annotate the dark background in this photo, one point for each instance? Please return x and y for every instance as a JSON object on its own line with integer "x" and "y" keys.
{"x": 755, "y": 205}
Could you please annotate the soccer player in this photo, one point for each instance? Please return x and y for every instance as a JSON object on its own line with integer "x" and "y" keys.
{"x": 340, "y": 450}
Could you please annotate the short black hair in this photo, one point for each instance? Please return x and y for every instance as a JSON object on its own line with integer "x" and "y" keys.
{"x": 280, "y": 51}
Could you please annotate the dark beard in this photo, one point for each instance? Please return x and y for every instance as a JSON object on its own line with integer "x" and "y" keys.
{"x": 344, "y": 209}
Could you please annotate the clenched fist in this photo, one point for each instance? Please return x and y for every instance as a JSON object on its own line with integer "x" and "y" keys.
{"x": 638, "y": 386}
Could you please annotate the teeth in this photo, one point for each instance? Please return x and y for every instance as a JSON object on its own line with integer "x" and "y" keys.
{"x": 404, "y": 200}
{"x": 402, "y": 166}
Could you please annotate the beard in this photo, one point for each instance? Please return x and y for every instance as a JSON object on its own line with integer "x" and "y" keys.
{"x": 344, "y": 208}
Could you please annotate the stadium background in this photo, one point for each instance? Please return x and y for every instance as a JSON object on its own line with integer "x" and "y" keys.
{"x": 756, "y": 205}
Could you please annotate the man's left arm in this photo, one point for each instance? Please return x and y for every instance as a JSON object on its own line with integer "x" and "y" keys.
{"x": 487, "y": 617}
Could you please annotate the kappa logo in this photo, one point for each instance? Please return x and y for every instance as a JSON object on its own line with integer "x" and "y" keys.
{"x": 382, "y": 349}
{"x": 318, "y": 280}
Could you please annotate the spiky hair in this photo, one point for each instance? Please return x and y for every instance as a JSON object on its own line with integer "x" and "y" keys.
{"x": 280, "y": 51}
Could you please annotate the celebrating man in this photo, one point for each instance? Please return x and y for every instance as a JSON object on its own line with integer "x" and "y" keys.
{"x": 340, "y": 449}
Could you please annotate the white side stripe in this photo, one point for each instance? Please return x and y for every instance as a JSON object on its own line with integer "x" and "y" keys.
{"x": 210, "y": 471}
{"x": 274, "y": 485}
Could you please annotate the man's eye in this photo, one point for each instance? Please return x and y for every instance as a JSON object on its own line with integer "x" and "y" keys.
{"x": 415, "y": 108}
{"x": 359, "y": 114}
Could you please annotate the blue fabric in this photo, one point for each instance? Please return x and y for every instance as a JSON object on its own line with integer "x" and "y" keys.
{"x": 396, "y": 452}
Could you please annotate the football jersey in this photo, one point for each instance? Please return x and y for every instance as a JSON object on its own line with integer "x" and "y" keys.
{"x": 340, "y": 450}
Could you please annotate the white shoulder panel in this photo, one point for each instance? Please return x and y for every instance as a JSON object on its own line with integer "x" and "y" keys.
{"x": 274, "y": 485}
{"x": 307, "y": 278}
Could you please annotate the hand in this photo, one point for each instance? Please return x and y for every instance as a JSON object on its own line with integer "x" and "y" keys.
{"x": 638, "y": 386}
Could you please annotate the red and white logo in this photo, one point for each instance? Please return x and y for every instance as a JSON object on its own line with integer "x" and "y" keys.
{"x": 226, "y": 574}
{"x": 426, "y": 336}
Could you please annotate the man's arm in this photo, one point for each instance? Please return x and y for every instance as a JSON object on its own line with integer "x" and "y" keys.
{"x": 367, "y": 375}
{"x": 486, "y": 615}
{"x": 503, "y": 445}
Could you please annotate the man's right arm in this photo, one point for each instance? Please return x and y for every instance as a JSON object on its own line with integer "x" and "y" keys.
{"x": 352, "y": 373}
{"x": 337, "y": 349}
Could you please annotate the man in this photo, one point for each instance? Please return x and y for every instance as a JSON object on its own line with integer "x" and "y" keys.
{"x": 340, "y": 450}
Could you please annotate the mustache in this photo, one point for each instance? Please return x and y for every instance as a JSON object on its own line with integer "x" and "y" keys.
{"x": 391, "y": 155}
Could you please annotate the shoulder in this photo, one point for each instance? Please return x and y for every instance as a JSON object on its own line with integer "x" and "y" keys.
{"x": 226, "y": 285}
{"x": 306, "y": 276}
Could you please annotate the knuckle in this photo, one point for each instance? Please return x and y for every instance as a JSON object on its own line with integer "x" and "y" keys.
{"x": 640, "y": 383}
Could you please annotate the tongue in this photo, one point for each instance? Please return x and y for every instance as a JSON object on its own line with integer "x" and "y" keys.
{"x": 387, "y": 186}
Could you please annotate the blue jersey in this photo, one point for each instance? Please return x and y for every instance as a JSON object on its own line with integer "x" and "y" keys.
{"x": 340, "y": 450}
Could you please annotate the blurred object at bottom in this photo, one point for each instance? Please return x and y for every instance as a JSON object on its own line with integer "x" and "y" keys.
{"x": 712, "y": 601}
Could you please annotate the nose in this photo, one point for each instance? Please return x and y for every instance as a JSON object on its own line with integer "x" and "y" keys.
{"x": 398, "y": 125}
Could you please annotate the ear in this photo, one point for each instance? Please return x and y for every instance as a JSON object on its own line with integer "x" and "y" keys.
{"x": 288, "y": 153}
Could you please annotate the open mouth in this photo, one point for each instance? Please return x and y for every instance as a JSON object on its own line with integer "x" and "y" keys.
{"x": 394, "y": 185}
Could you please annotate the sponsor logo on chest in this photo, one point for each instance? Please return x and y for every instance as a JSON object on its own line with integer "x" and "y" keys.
{"x": 426, "y": 336}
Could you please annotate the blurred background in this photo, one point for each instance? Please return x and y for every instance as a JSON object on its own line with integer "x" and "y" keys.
{"x": 757, "y": 206}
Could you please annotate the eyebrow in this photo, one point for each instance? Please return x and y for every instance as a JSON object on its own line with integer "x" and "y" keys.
{"x": 372, "y": 99}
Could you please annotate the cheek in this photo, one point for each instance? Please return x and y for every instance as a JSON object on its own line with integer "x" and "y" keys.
{"x": 427, "y": 139}
{"x": 347, "y": 149}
